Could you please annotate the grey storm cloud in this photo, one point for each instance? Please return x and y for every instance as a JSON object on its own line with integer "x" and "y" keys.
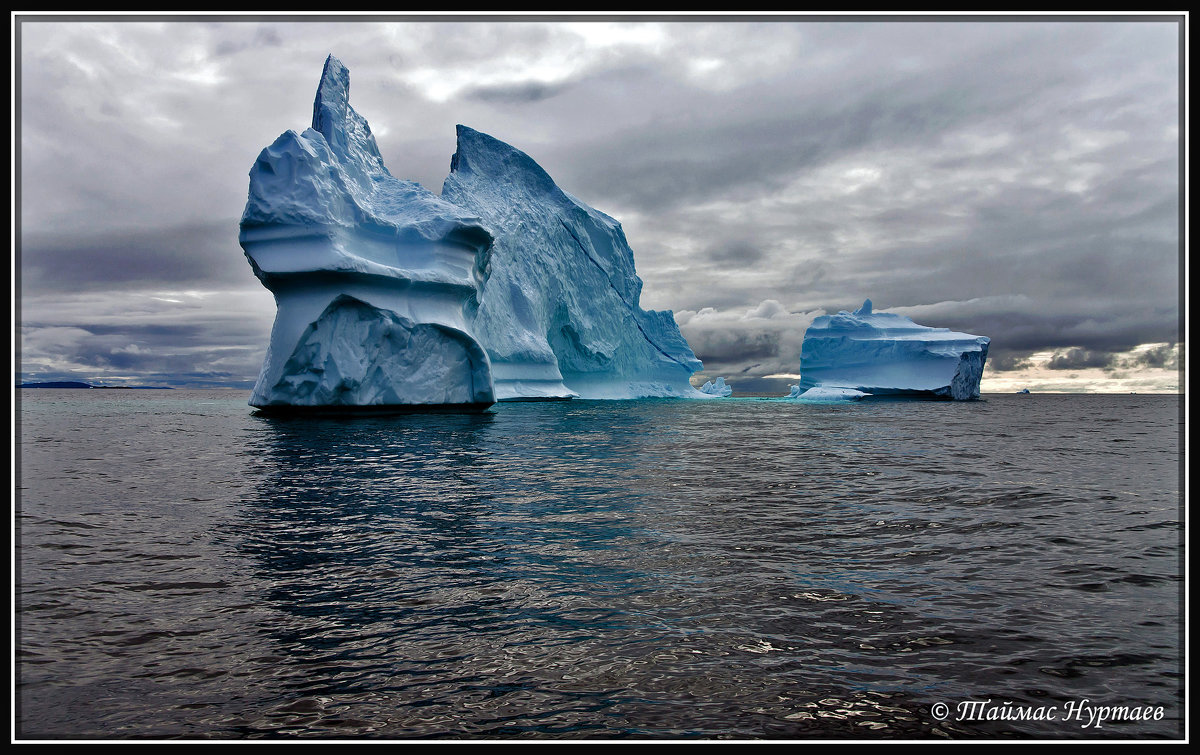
{"x": 194, "y": 255}
{"x": 1075, "y": 359}
{"x": 515, "y": 94}
{"x": 1006, "y": 361}
{"x": 262, "y": 37}
{"x": 1032, "y": 165}
{"x": 1165, "y": 356}
{"x": 734, "y": 346}
{"x": 737, "y": 250}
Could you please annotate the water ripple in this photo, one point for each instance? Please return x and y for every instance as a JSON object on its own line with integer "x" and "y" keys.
{"x": 717, "y": 569}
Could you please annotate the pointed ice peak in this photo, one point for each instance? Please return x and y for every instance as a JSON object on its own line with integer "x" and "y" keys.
{"x": 347, "y": 132}
{"x": 333, "y": 98}
{"x": 865, "y": 309}
{"x": 486, "y": 156}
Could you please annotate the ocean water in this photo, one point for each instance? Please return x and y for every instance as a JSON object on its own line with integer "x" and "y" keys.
{"x": 734, "y": 568}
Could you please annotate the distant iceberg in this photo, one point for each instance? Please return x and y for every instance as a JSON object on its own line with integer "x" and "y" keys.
{"x": 389, "y": 295}
{"x": 883, "y": 354}
{"x": 718, "y": 388}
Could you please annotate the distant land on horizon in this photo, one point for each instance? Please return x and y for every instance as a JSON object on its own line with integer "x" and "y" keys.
{"x": 73, "y": 384}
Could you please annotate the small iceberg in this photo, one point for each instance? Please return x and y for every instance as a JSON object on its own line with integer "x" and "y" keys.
{"x": 883, "y": 354}
{"x": 717, "y": 389}
{"x": 826, "y": 394}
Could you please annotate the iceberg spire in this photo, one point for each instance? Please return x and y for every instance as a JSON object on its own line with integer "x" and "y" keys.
{"x": 347, "y": 133}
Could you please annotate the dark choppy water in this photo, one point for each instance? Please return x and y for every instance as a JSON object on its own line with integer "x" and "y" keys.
{"x": 730, "y": 568}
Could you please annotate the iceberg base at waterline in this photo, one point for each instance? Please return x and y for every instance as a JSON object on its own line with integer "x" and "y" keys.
{"x": 356, "y": 357}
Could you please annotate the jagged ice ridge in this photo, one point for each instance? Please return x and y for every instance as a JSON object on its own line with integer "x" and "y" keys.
{"x": 560, "y": 315}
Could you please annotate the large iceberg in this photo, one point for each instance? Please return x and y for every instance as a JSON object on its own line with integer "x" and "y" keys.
{"x": 371, "y": 274}
{"x": 863, "y": 352}
{"x": 560, "y": 313}
{"x": 391, "y": 296}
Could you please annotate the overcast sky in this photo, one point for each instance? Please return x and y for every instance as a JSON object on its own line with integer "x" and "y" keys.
{"x": 1017, "y": 179}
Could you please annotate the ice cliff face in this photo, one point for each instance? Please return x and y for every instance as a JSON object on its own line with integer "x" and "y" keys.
{"x": 388, "y": 295}
{"x": 560, "y": 312}
{"x": 372, "y": 275}
{"x": 887, "y": 354}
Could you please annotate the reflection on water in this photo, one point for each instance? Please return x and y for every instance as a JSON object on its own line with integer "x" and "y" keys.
{"x": 603, "y": 569}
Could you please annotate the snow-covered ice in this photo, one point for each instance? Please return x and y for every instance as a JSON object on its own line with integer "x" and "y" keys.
{"x": 387, "y": 294}
{"x": 878, "y": 353}
{"x": 716, "y": 389}
{"x": 560, "y": 313}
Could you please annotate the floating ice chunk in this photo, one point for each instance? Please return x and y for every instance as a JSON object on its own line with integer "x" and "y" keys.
{"x": 826, "y": 394}
{"x": 717, "y": 389}
{"x": 887, "y": 354}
